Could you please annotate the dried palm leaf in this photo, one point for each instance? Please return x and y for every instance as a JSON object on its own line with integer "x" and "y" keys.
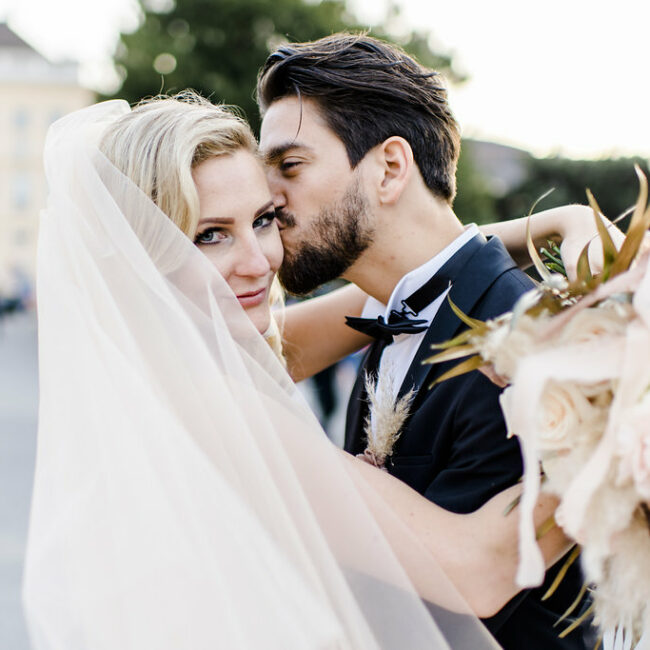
{"x": 639, "y": 225}
{"x": 450, "y": 354}
{"x": 577, "y": 622}
{"x": 473, "y": 363}
{"x": 609, "y": 249}
{"x": 575, "y": 553}
{"x": 572, "y": 606}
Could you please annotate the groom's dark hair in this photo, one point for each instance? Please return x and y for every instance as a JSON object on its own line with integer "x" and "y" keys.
{"x": 368, "y": 91}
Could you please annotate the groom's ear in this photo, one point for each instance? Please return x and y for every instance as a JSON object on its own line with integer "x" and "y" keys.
{"x": 395, "y": 159}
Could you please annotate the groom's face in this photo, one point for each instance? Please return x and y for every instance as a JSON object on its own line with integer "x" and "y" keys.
{"x": 322, "y": 208}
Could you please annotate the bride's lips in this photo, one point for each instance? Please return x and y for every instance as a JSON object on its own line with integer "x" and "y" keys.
{"x": 252, "y": 298}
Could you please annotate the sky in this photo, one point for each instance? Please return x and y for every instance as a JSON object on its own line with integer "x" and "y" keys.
{"x": 564, "y": 77}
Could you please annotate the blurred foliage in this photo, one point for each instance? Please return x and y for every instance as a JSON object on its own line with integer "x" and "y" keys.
{"x": 612, "y": 181}
{"x": 474, "y": 202}
{"x": 480, "y": 199}
{"x": 218, "y": 46}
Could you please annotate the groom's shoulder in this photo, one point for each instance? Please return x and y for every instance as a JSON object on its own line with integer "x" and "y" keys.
{"x": 489, "y": 282}
{"x": 503, "y": 293}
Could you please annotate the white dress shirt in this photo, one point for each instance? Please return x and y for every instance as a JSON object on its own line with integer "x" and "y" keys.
{"x": 397, "y": 357}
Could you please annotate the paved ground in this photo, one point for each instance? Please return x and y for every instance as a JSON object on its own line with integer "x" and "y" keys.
{"x": 18, "y": 408}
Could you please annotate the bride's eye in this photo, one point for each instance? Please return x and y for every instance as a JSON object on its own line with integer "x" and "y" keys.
{"x": 264, "y": 220}
{"x": 210, "y": 236}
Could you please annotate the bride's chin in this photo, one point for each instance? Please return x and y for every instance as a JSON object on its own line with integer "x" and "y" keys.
{"x": 261, "y": 318}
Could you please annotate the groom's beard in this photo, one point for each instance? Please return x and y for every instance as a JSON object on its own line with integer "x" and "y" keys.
{"x": 336, "y": 239}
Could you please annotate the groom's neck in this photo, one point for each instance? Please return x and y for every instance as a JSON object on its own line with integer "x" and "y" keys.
{"x": 406, "y": 237}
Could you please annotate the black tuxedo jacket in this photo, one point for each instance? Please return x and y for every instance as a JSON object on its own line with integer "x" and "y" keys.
{"x": 454, "y": 449}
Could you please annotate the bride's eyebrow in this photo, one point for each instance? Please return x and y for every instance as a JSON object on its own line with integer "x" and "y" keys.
{"x": 217, "y": 220}
{"x": 227, "y": 221}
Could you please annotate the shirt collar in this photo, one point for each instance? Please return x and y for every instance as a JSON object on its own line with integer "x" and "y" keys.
{"x": 414, "y": 279}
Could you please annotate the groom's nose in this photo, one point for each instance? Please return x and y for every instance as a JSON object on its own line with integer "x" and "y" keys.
{"x": 277, "y": 189}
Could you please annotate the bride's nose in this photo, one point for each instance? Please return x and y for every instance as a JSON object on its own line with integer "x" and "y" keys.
{"x": 251, "y": 258}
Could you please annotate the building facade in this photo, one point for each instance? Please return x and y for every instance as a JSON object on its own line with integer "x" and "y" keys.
{"x": 33, "y": 93}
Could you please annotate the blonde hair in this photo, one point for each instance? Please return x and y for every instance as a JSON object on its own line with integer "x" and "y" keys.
{"x": 158, "y": 144}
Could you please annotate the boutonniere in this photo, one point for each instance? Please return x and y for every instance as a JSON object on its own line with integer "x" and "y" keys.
{"x": 385, "y": 419}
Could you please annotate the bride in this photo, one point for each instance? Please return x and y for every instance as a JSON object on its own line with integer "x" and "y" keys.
{"x": 185, "y": 495}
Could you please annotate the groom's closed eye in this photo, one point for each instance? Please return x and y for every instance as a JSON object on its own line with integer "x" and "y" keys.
{"x": 283, "y": 153}
{"x": 288, "y": 165}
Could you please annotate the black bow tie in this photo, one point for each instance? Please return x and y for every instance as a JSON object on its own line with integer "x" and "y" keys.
{"x": 399, "y": 321}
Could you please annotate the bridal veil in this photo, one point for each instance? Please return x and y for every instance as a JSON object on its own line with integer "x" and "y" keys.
{"x": 185, "y": 496}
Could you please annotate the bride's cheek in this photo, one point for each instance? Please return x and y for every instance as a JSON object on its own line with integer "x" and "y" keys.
{"x": 220, "y": 259}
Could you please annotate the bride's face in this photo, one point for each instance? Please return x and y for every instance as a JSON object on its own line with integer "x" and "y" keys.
{"x": 237, "y": 230}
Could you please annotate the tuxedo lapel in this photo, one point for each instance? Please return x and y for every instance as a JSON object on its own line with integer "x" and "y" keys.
{"x": 481, "y": 263}
{"x": 487, "y": 264}
{"x": 358, "y": 405}
{"x": 358, "y": 408}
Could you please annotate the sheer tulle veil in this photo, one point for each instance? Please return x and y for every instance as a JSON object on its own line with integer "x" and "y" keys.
{"x": 185, "y": 496}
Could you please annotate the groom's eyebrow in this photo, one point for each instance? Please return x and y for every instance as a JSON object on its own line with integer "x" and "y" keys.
{"x": 263, "y": 209}
{"x": 275, "y": 154}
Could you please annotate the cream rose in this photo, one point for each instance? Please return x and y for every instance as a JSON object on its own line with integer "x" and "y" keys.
{"x": 641, "y": 466}
{"x": 566, "y": 418}
{"x": 508, "y": 344}
{"x": 611, "y": 318}
{"x": 633, "y": 437}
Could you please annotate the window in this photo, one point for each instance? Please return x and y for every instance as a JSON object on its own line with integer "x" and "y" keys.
{"x": 21, "y": 190}
{"x": 21, "y": 237}
{"x": 21, "y": 118}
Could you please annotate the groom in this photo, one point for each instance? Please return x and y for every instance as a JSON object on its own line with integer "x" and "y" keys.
{"x": 362, "y": 150}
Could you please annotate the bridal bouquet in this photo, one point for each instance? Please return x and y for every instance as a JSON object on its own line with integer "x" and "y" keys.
{"x": 575, "y": 357}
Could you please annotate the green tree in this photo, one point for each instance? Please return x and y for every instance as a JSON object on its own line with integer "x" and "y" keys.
{"x": 218, "y": 46}
{"x": 474, "y": 202}
{"x": 613, "y": 183}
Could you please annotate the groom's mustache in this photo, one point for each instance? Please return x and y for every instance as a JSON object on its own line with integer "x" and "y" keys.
{"x": 286, "y": 219}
